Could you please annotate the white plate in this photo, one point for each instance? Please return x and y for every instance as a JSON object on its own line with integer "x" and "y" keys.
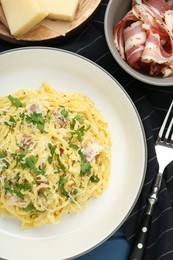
{"x": 76, "y": 234}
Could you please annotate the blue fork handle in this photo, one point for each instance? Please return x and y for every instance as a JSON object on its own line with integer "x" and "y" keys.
{"x": 140, "y": 243}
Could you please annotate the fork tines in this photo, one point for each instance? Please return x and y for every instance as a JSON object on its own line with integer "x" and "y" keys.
{"x": 166, "y": 130}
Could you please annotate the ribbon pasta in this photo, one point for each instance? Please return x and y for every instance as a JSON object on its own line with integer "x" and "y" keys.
{"x": 54, "y": 154}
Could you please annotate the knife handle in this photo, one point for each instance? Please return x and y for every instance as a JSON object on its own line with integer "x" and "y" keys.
{"x": 140, "y": 243}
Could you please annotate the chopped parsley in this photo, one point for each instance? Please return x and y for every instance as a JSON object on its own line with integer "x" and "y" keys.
{"x": 36, "y": 119}
{"x": 48, "y": 116}
{"x": 16, "y": 102}
{"x": 61, "y": 182}
{"x": 82, "y": 155}
{"x": 20, "y": 156}
{"x": 7, "y": 186}
{"x": 74, "y": 146}
{"x": 4, "y": 160}
{"x": 2, "y": 155}
{"x": 79, "y": 133}
{"x": 60, "y": 165}
{"x": 17, "y": 176}
{"x": 23, "y": 186}
{"x": 75, "y": 192}
{"x": 29, "y": 207}
{"x": 85, "y": 166}
{"x": 52, "y": 152}
{"x": 22, "y": 116}
{"x": 64, "y": 112}
{"x": 78, "y": 118}
{"x": 30, "y": 163}
{"x": 18, "y": 193}
{"x": 11, "y": 122}
{"x": 10, "y": 189}
{"x": 94, "y": 179}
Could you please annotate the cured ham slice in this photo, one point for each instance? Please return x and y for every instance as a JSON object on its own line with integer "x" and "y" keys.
{"x": 158, "y": 7}
{"x": 168, "y": 17}
{"x": 118, "y": 32}
{"x": 151, "y": 18}
{"x": 153, "y": 51}
{"x": 144, "y": 37}
{"x": 135, "y": 38}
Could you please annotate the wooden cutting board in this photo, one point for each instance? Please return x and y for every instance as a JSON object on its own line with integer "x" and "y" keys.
{"x": 42, "y": 34}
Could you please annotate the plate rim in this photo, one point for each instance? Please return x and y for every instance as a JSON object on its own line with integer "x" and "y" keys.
{"x": 137, "y": 115}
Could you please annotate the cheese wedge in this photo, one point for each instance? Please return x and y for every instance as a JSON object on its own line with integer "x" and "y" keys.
{"x": 22, "y": 15}
{"x": 61, "y": 9}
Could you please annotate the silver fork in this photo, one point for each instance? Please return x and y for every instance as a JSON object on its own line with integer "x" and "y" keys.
{"x": 164, "y": 152}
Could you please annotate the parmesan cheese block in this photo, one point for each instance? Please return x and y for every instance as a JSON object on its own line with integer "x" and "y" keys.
{"x": 61, "y": 9}
{"x": 22, "y": 15}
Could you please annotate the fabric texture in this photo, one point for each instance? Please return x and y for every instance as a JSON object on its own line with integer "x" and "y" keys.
{"x": 152, "y": 103}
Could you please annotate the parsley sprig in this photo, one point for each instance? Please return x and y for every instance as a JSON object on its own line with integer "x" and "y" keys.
{"x": 36, "y": 119}
{"x": 78, "y": 133}
{"x": 60, "y": 165}
{"x": 52, "y": 152}
{"x": 20, "y": 156}
{"x": 29, "y": 207}
{"x": 61, "y": 182}
{"x": 23, "y": 186}
{"x": 74, "y": 146}
{"x": 85, "y": 166}
{"x": 10, "y": 189}
{"x": 11, "y": 122}
{"x": 16, "y": 102}
{"x": 78, "y": 118}
{"x": 4, "y": 160}
{"x": 64, "y": 112}
{"x": 30, "y": 162}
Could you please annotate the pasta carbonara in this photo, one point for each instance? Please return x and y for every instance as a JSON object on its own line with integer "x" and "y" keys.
{"x": 54, "y": 154}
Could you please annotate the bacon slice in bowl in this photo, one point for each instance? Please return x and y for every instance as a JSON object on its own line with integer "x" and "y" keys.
{"x": 144, "y": 37}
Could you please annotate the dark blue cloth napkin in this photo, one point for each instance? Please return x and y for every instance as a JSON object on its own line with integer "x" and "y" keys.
{"x": 152, "y": 103}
